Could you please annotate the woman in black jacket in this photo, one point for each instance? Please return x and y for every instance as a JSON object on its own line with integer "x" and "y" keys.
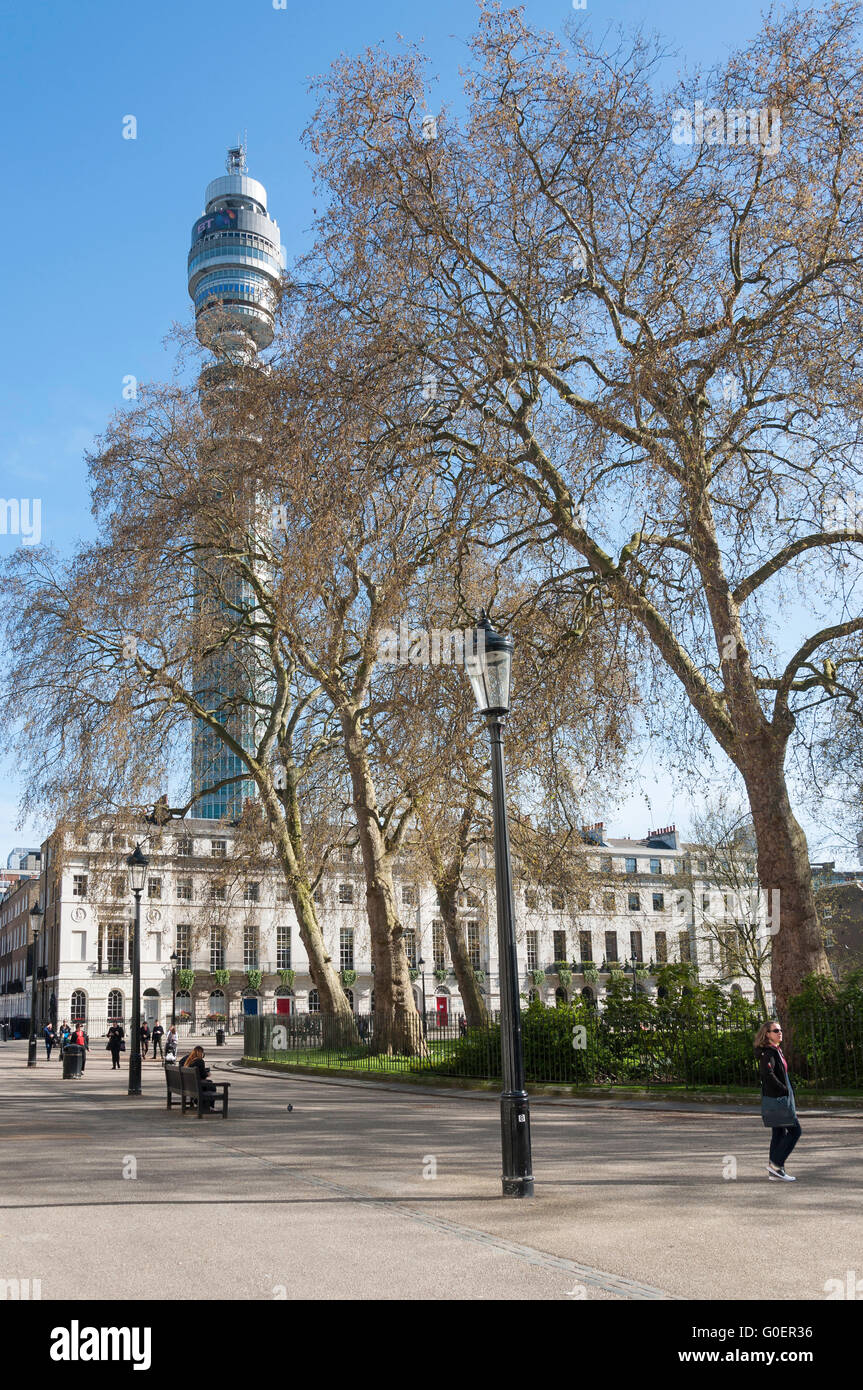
{"x": 195, "y": 1059}
{"x": 776, "y": 1083}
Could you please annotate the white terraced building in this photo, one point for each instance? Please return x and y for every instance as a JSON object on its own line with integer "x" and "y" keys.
{"x": 203, "y": 905}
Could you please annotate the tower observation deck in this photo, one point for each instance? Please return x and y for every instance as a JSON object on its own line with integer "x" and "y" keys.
{"x": 235, "y": 268}
{"x": 235, "y": 264}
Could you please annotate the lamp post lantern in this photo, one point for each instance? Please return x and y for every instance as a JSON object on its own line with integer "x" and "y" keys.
{"x": 138, "y": 864}
{"x": 489, "y": 664}
{"x": 35, "y": 924}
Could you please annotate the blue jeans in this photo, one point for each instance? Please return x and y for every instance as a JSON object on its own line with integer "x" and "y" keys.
{"x": 782, "y": 1141}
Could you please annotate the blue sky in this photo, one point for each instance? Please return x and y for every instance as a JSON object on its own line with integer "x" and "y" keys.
{"x": 96, "y": 227}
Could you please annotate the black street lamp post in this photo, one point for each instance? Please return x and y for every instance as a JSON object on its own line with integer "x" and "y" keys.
{"x": 634, "y": 963}
{"x": 489, "y": 665}
{"x": 422, "y": 966}
{"x": 138, "y": 864}
{"x": 174, "y": 959}
{"x": 35, "y": 923}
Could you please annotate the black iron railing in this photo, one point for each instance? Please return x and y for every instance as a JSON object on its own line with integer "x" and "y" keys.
{"x": 827, "y": 1052}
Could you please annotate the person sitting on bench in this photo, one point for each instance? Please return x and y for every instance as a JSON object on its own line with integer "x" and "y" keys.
{"x": 195, "y": 1059}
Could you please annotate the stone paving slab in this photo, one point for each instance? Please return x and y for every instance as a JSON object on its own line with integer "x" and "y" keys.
{"x": 334, "y": 1199}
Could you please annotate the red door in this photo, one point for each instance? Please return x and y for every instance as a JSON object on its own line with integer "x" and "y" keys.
{"x": 283, "y": 1005}
{"x": 442, "y": 1011}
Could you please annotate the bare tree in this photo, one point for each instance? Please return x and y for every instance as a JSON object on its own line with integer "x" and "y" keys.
{"x": 640, "y": 311}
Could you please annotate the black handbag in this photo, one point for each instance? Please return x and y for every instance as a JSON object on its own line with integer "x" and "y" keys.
{"x": 778, "y": 1111}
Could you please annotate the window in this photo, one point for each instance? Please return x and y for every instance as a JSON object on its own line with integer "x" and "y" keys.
{"x": 218, "y": 892}
{"x": 343, "y": 854}
{"x": 154, "y": 888}
{"x": 349, "y": 995}
{"x": 79, "y": 885}
{"x": 184, "y": 890}
{"x": 283, "y": 948}
{"x": 346, "y": 892}
{"x": 115, "y": 946}
{"x": 184, "y": 1003}
{"x": 318, "y": 896}
{"x": 78, "y": 1007}
{"x": 635, "y": 946}
{"x": 633, "y": 902}
{"x": 530, "y": 900}
{"x": 656, "y": 866}
{"x": 409, "y": 895}
{"x": 585, "y": 945}
{"x": 560, "y": 945}
{"x": 250, "y": 947}
{"x": 472, "y": 930}
{"x": 659, "y": 902}
{"x": 557, "y": 900}
{"x": 410, "y": 940}
{"x": 661, "y": 948}
{"x": 252, "y": 893}
{"x": 218, "y": 849}
{"x": 582, "y": 899}
{"x": 608, "y": 902}
{"x": 182, "y": 947}
{"x": 118, "y": 887}
{"x": 631, "y": 865}
{"x": 282, "y": 894}
{"x": 217, "y": 948}
{"x": 314, "y": 1002}
{"x": 685, "y": 946}
{"x": 438, "y": 945}
{"x": 216, "y": 1002}
{"x": 185, "y": 847}
{"x": 115, "y": 1006}
{"x": 705, "y": 902}
{"x": 532, "y": 944}
{"x": 611, "y": 946}
{"x": 346, "y": 948}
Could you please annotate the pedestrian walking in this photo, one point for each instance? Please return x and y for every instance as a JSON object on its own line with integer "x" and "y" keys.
{"x": 145, "y": 1039}
{"x": 778, "y": 1108}
{"x": 50, "y": 1039}
{"x": 80, "y": 1037}
{"x": 64, "y": 1035}
{"x": 157, "y": 1036}
{"x": 115, "y": 1045}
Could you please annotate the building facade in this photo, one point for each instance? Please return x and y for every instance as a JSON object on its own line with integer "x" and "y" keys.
{"x": 220, "y": 936}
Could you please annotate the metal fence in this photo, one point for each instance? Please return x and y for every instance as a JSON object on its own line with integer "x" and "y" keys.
{"x": 827, "y": 1051}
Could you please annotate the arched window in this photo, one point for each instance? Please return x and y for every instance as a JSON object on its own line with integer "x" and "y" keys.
{"x": 78, "y": 1007}
{"x": 560, "y": 996}
{"x": 314, "y": 1002}
{"x": 588, "y": 995}
{"x": 532, "y": 995}
{"x": 349, "y": 995}
{"x": 184, "y": 1003}
{"x": 217, "y": 1002}
{"x": 115, "y": 1006}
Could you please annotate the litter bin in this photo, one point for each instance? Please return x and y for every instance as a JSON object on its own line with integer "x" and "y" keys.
{"x": 73, "y": 1061}
{"x": 220, "y": 1037}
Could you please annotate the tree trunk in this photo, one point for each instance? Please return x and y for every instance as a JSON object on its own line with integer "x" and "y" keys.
{"x": 286, "y": 830}
{"x": 783, "y": 871}
{"x": 397, "y": 1025}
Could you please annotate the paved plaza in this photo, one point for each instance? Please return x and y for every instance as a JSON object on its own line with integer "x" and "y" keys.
{"x": 365, "y": 1191}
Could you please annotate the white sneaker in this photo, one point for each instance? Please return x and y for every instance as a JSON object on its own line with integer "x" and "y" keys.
{"x": 780, "y": 1175}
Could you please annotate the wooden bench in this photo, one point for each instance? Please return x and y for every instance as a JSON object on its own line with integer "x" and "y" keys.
{"x": 186, "y": 1083}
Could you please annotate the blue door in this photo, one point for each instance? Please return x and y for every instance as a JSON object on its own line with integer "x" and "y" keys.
{"x": 250, "y": 1006}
